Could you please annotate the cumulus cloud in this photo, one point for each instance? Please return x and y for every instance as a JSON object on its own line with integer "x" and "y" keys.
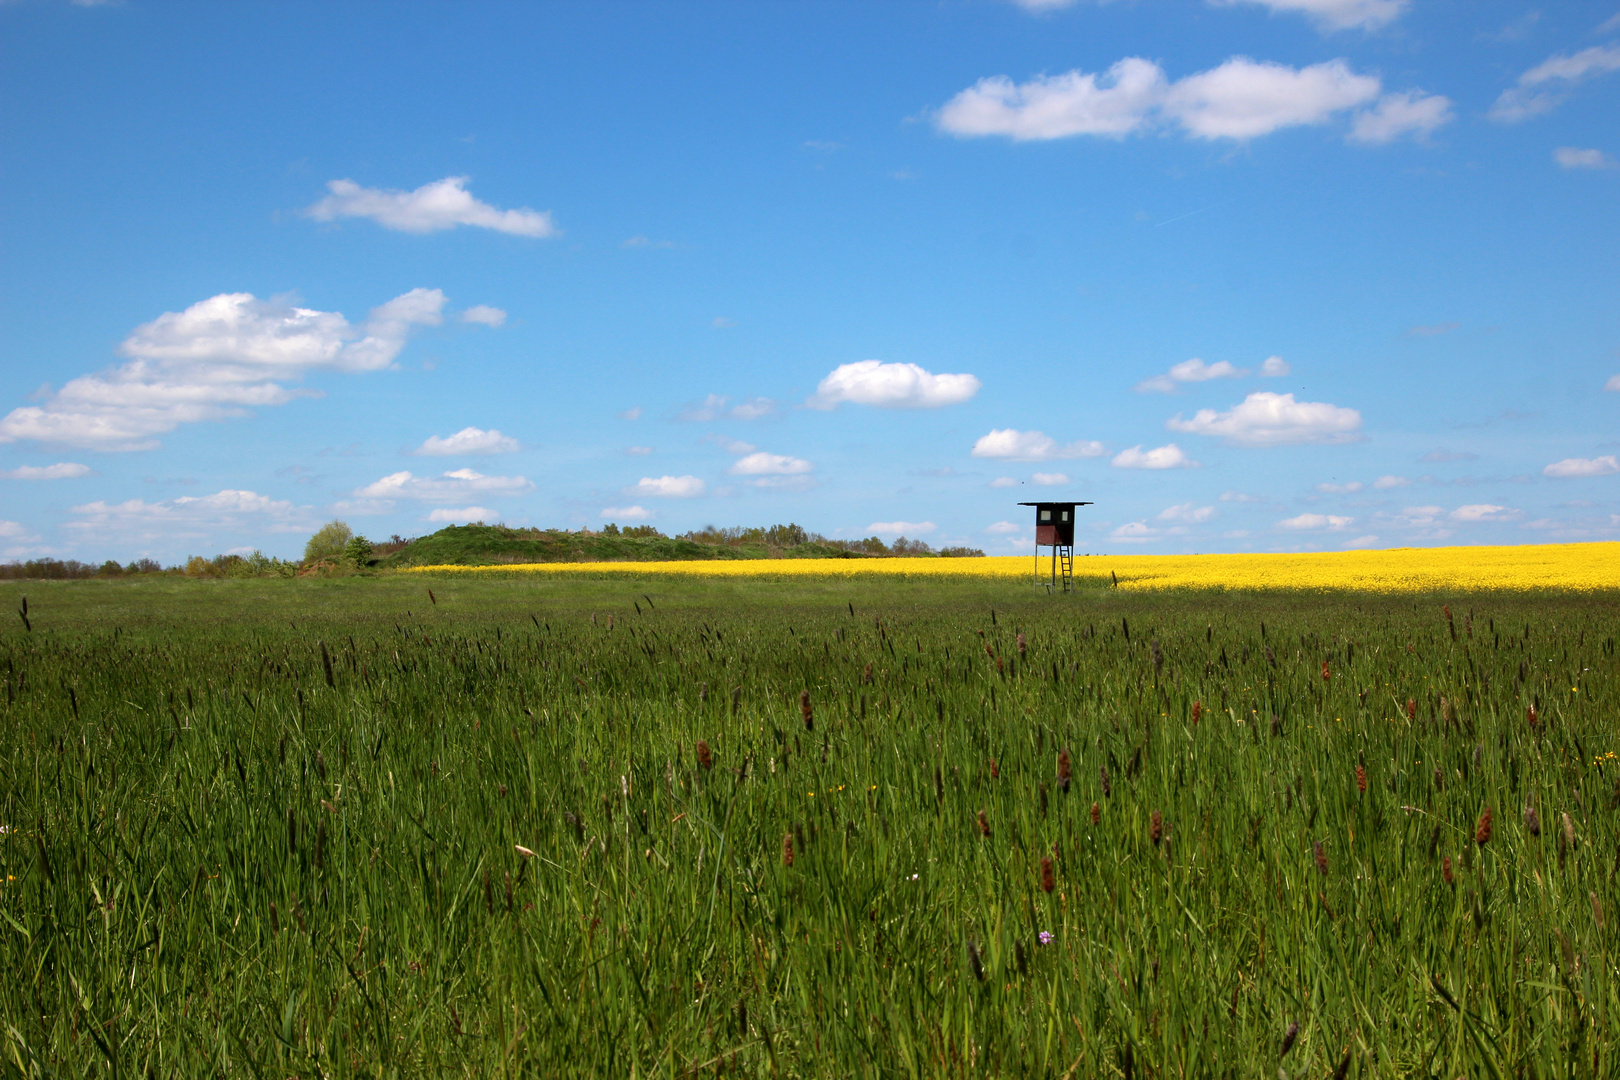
{"x": 1340, "y": 489}
{"x": 668, "y": 487}
{"x": 1267, "y": 419}
{"x": 1361, "y": 542}
{"x": 1009, "y": 444}
{"x": 761, "y": 463}
{"x": 1160, "y": 457}
{"x": 452, "y": 486}
{"x": 443, "y": 204}
{"x": 484, "y": 314}
{"x": 1607, "y": 465}
{"x": 718, "y": 406}
{"x": 626, "y": 513}
{"x": 1306, "y": 522}
{"x": 1135, "y": 532}
{"x": 632, "y": 413}
{"x": 1545, "y": 86}
{"x": 1194, "y": 370}
{"x": 901, "y": 528}
{"x": 1410, "y": 112}
{"x": 1187, "y": 513}
{"x": 1003, "y": 528}
{"x": 469, "y": 440}
{"x": 1483, "y": 512}
{"x": 1613, "y": 383}
{"x": 1240, "y": 99}
{"x": 1334, "y": 14}
{"x": 1050, "y": 479}
{"x": 62, "y": 470}
{"x": 213, "y": 361}
{"x": 1240, "y": 497}
{"x": 190, "y": 516}
{"x": 638, "y": 451}
{"x": 1275, "y": 367}
{"x": 892, "y": 386}
{"x": 1003, "y": 482}
{"x": 1573, "y": 157}
{"x": 1386, "y": 483}
{"x": 450, "y": 515}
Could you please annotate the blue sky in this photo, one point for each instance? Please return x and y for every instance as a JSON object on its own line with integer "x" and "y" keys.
{"x": 1249, "y": 275}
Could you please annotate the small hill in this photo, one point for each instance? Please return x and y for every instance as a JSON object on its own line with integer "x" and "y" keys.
{"x": 486, "y": 545}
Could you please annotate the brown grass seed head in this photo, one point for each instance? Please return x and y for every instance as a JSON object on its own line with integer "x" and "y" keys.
{"x": 1482, "y": 831}
{"x": 1047, "y": 884}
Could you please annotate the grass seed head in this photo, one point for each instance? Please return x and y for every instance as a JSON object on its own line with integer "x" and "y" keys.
{"x": 1047, "y": 883}
{"x": 1445, "y": 870}
{"x": 1321, "y": 859}
{"x": 1361, "y": 779}
{"x": 1197, "y": 711}
{"x": 1482, "y": 831}
{"x": 805, "y": 710}
{"x": 1326, "y": 673}
{"x": 1022, "y": 646}
{"x": 1096, "y": 813}
{"x": 705, "y": 759}
{"x": 1156, "y": 828}
{"x": 1532, "y": 820}
{"x": 984, "y": 824}
{"x": 1411, "y": 708}
{"x": 787, "y": 849}
{"x": 1065, "y": 770}
{"x": 1288, "y": 1038}
{"x": 995, "y": 770}
{"x": 1569, "y": 829}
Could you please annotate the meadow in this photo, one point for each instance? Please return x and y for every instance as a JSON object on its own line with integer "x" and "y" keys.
{"x": 456, "y": 824}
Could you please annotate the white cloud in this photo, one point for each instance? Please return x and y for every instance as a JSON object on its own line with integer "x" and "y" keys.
{"x": 1411, "y": 112}
{"x": 1335, "y": 14}
{"x": 1009, "y": 444}
{"x": 1274, "y": 367}
{"x": 1050, "y": 479}
{"x": 716, "y": 406}
{"x": 902, "y": 528}
{"x": 1483, "y": 512}
{"x": 11, "y": 530}
{"x": 668, "y": 487}
{"x": 1607, "y": 465}
{"x": 1058, "y": 106}
{"x": 1573, "y": 157}
{"x": 1135, "y": 532}
{"x": 1187, "y": 513}
{"x": 1361, "y": 542}
{"x": 1003, "y": 528}
{"x": 632, "y": 413}
{"x": 1613, "y": 383}
{"x": 1315, "y": 521}
{"x": 1003, "y": 482}
{"x": 1194, "y": 370}
{"x": 448, "y": 487}
{"x": 469, "y": 440}
{"x": 733, "y": 446}
{"x": 1240, "y": 497}
{"x": 1386, "y": 483}
{"x": 62, "y": 470}
{"x": 638, "y": 451}
{"x": 462, "y": 515}
{"x": 1243, "y": 99}
{"x": 1161, "y": 457}
{"x": 191, "y": 516}
{"x": 764, "y": 464}
{"x": 443, "y": 204}
{"x": 644, "y": 242}
{"x": 213, "y": 361}
{"x": 720, "y": 322}
{"x": 483, "y": 313}
{"x": 1043, "y": 5}
{"x": 1267, "y": 419}
{"x": 1240, "y": 99}
{"x": 1544, "y": 87}
{"x": 755, "y": 408}
{"x": 892, "y": 386}
{"x": 1340, "y": 489}
{"x": 626, "y": 513}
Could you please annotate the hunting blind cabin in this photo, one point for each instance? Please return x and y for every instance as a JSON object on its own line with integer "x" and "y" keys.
{"x": 1054, "y": 528}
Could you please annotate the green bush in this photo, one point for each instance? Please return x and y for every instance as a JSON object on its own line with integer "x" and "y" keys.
{"x": 328, "y": 542}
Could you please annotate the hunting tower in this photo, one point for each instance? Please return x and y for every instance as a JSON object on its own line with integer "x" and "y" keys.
{"x": 1054, "y": 528}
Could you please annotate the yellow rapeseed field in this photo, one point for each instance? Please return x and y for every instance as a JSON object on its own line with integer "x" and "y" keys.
{"x": 1567, "y": 567}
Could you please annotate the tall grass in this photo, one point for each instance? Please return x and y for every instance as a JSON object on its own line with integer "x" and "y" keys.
{"x": 755, "y": 830}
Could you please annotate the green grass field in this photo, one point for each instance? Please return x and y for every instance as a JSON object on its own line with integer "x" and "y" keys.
{"x": 332, "y": 828}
